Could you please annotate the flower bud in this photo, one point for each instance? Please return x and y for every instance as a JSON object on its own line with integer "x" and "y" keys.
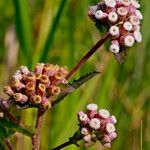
{"x": 95, "y": 123}
{"x": 54, "y": 90}
{"x": 8, "y": 90}
{"x": 104, "y": 113}
{"x": 45, "y": 103}
{"x": 30, "y": 78}
{"x": 92, "y": 110}
{"x": 37, "y": 99}
{"x": 17, "y": 84}
{"x": 110, "y": 128}
{"x": 87, "y": 138}
{"x": 45, "y": 80}
{"x": 41, "y": 89}
{"x": 138, "y": 36}
{"x": 30, "y": 86}
{"x": 20, "y": 98}
{"x": 83, "y": 117}
{"x": 84, "y": 131}
{"x": 114, "y": 31}
{"x": 110, "y": 3}
{"x": 38, "y": 68}
{"x": 113, "y": 17}
{"x": 129, "y": 41}
{"x": 24, "y": 70}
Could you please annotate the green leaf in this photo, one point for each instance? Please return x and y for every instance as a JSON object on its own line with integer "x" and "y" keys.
{"x": 84, "y": 79}
{"x": 76, "y": 84}
{"x": 23, "y": 28}
{"x": 100, "y": 26}
{"x": 15, "y": 127}
{"x": 52, "y": 32}
{"x": 2, "y": 144}
{"x": 6, "y": 132}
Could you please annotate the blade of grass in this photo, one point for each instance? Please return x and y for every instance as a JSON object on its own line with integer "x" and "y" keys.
{"x": 16, "y": 127}
{"x": 48, "y": 43}
{"x": 23, "y": 29}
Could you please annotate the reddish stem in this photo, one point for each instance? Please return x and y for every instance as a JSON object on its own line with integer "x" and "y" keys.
{"x": 37, "y": 137}
{"x": 9, "y": 145}
{"x": 88, "y": 55}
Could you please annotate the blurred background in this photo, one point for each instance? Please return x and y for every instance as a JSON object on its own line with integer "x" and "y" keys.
{"x": 59, "y": 32}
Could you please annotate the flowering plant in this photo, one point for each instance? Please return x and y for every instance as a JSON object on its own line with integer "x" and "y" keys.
{"x": 122, "y": 18}
{"x": 48, "y": 84}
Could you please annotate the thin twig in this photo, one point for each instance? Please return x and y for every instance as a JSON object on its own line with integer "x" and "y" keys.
{"x": 8, "y": 143}
{"x": 62, "y": 145}
{"x": 70, "y": 142}
{"x": 88, "y": 55}
{"x": 37, "y": 137}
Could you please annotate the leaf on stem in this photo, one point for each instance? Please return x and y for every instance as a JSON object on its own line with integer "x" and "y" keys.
{"x": 67, "y": 89}
{"x": 11, "y": 127}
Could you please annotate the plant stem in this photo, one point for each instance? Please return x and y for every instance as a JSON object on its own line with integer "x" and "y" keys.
{"x": 37, "y": 137}
{"x": 68, "y": 143}
{"x": 9, "y": 145}
{"x": 88, "y": 55}
{"x": 62, "y": 145}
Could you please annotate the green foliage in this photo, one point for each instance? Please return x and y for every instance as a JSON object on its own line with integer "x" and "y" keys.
{"x": 9, "y": 127}
{"x": 2, "y": 145}
{"x": 67, "y": 89}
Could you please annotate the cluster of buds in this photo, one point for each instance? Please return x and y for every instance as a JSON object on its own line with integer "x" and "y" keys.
{"x": 97, "y": 125}
{"x": 122, "y": 18}
{"x": 38, "y": 87}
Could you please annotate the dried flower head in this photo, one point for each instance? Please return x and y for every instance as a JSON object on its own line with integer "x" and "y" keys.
{"x": 37, "y": 87}
{"x": 97, "y": 126}
{"x": 122, "y": 18}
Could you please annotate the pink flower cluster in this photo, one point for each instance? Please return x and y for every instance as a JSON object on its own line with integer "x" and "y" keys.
{"x": 38, "y": 87}
{"x": 122, "y": 18}
{"x": 97, "y": 125}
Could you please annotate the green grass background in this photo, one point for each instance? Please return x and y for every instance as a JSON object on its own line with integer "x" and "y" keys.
{"x": 59, "y": 32}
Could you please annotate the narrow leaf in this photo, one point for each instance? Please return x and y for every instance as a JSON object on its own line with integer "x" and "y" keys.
{"x": 83, "y": 79}
{"x": 15, "y": 127}
{"x": 23, "y": 28}
{"x": 51, "y": 33}
{"x": 76, "y": 84}
{"x": 5, "y": 132}
{"x": 2, "y": 144}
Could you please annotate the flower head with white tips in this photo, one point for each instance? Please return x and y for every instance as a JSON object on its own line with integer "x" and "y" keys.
{"x": 36, "y": 88}
{"x": 99, "y": 127}
{"x": 122, "y": 19}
